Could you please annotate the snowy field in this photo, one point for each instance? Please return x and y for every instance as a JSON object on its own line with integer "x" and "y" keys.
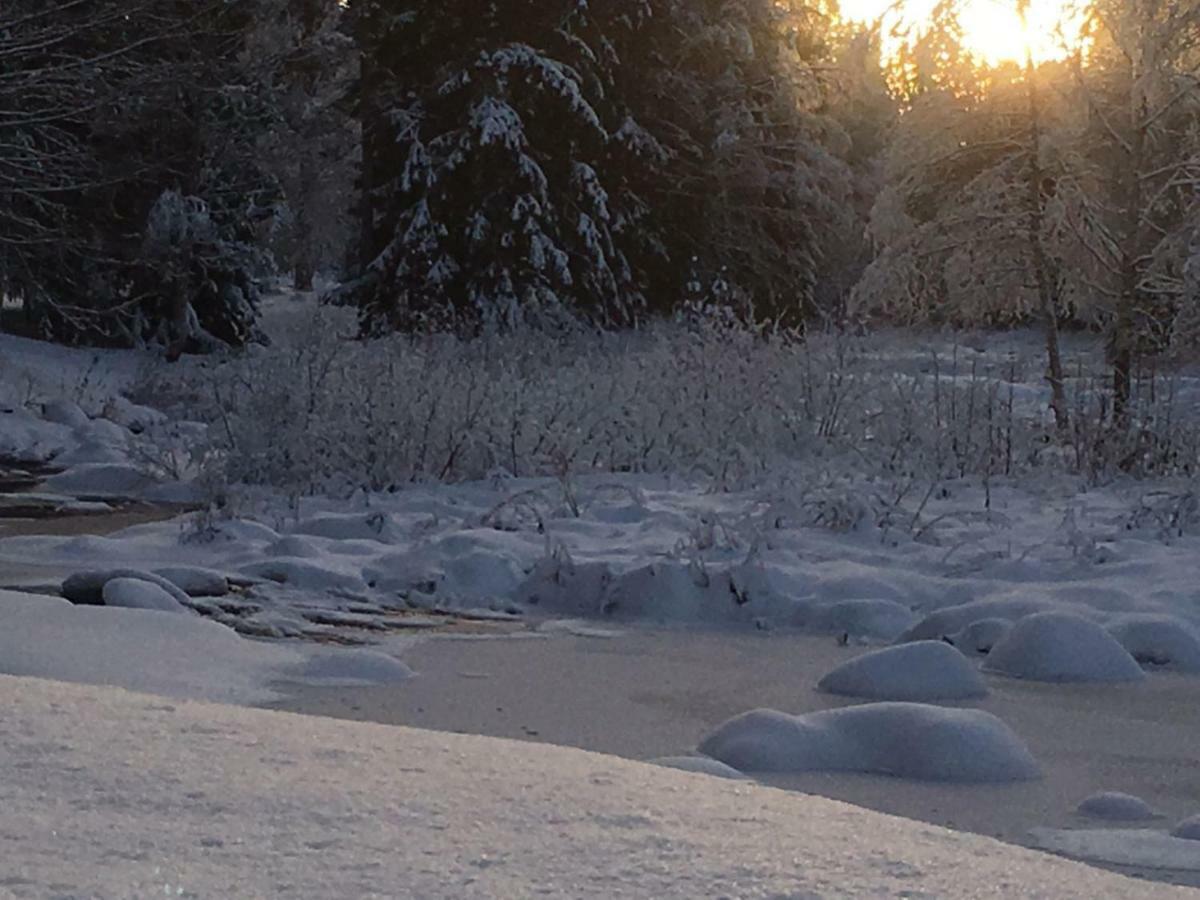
{"x": 894, "y": 498}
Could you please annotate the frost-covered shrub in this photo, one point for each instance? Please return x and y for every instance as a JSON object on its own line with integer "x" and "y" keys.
{"x": 849, "y": 431}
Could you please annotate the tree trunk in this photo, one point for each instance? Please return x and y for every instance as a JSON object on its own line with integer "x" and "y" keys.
{"x": 1041, "y": 267}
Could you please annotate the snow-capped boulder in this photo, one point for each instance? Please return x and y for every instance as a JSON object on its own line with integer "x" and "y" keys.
{"x": 1158, "y": 640}
{"x": 906, "y": 740}
{"x": 953, "y": 619}
{"x": 981, "y": 636}
{"x": 195, "y": 581}
{"x": 101, "y": 480}
{"x": 1188, "y": 829}
{"x": 64, "y": 412}
{"x": 872, "y": 620}
{"x": 87, "y": 588}
{"x": 702, "y": 765}
{"x": 304, "y": 575}
{"x": 1116, "y": 806}
{"x": 1055, "y": 646}
{"x": 920, "y": 671}
{"x": 135, "y": 593}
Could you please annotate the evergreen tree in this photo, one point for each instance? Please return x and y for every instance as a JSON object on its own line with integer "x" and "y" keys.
{"x": 130, "y": 180}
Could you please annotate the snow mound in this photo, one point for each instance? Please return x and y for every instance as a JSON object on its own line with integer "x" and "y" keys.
{"x": 1188, "y": 829}
{"x": 1056, "y": 646}
{"x": 906, "y": 740}
{"x": 921, "y": 671}
{"x": 339, "y": 527}
{"x": 101, "y": 480}
{"x": 953, "y": 619}
{"x": 87, "y": 588}
{"x": 64, "y": 412}
{"x": 134, "y": 593}
{"x": 1116, "y": 806}
{"x": 981, "y": 636}
{"x": 881, "y": 620}
{"x": 701, "y": 765}
{"x": 195, "y": 581}
{"x": 304, "y": 575}
{"x": 349, "y": 668}
{"x": 1158, "y": 640}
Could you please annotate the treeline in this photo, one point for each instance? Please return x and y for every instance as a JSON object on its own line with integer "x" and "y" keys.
{"x": 478, "y": 165}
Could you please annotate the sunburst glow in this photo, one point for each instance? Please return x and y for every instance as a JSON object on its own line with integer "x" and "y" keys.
{"x": 992, "y": 29}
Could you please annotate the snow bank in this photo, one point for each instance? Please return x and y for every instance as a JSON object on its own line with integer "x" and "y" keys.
{"x": 1158, "y": 640}
{"x": 178, "y": 656}
{"x": 907, "y": 740}
{"x": 1116, "y": 806}
{"x": 1055, "y": 646}
{"x": 921, "y": 671}
{"x": 226, "y": 802}
{"x": 1188, "y": 829}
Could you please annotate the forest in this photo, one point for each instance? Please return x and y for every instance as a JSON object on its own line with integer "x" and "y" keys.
{"x": 467, "y": 167}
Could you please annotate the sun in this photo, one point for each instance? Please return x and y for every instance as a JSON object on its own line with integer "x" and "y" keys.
{"x": 992, "y": 29}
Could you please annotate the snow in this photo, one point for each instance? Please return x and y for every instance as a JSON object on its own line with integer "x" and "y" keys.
{"x": 906, "y": 740}
{"x": 1141, "y": 848}
{"x": 171, "y": 655}
{"x": 981, "y": 635}
{"x": 920, "y": 671}
{"x": 136, "y": 593}
{"x": 1057, "y": 646}
{"x": 1117, "y": 806}
{"x": 702, "y": 765}
{"x": 123, "y": 795}
{"x": 196, "y": 581}
{"x": 1188, "y": 829}
{"x": 1158, "y": 640}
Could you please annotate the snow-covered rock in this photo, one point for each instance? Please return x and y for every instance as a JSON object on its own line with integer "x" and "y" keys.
{"x": 196, "y": 581}
{"x": 981, "y": 636}
{"x": 304, "y": 575}
{"x": 1056, "y": 646}
{"x": 101, "y": 480}
{"x": 1158, "y": 640}
{"x": 1116, "y": 806}
{"x": 702, "y": 765}
{"x": 64, "y": 412}
{"x": 920, "y": 671}
{"x": 873, "y": 620}
{"x": 953, "y": 619}
{"x": 135, "y": 593}
{"x": 87, "y": 588}
{"x": 906, "y": 740}
{"x": 1187, "y": 829}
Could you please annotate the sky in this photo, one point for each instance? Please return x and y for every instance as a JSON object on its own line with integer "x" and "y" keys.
{"x": 992, "y": 29}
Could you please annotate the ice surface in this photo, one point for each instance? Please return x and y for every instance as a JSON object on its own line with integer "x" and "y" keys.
{"x": 907, "y": 740}
{"x": 919, "y": 671}
{"x": 1056, "y": 646}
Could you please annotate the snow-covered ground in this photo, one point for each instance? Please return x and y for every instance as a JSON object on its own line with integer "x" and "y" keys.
{"x": 121, "y": 795}
{"x": 1036, "y": 575}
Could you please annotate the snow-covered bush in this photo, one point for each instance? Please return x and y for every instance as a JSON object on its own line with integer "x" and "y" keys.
{"x": 846, "y": 431}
